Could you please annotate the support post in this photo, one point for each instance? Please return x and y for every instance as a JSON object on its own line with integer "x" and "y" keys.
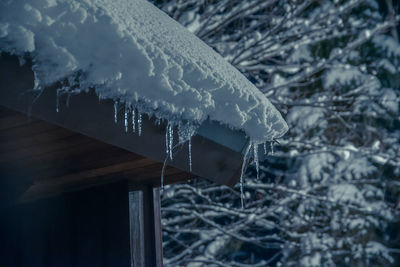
{"x": 145, "y": 227}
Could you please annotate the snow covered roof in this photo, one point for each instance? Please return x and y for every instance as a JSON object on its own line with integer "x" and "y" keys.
{"x": 132, "y": 52}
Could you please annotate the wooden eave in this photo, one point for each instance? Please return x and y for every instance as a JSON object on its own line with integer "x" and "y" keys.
{"x": 80, "y": 145}
{"x": 49, "y": 159}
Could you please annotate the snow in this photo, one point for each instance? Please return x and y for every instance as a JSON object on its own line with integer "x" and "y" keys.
{"x": 302, "y": 53}
{"x": 314, "y": 246}
{"x": 387, "y": 43}
{"x": 278, "y": 80}
{"x": 314, "y": 168}
{"x": 305, "y": 117}
{"x": 346, "y": 193}
{"x": 314, "y": 260}
{"x": 343, "y": 75}
{"x": 390, "y": 100}
{"x": 377, "y": 249}
{"x": 133, "y": 53}
{"x": 219, "y": 243}
{"x": 387, "y": 65}
{"x": 356, "y": 168}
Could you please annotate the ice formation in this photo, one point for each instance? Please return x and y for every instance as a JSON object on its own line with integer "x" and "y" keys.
{"x": 126, "y": 117}
{"x": 272, "y": 147}
{"x": 244, "y": 166}
{"x": 133, "y": 53}
{"x": 255, "y": 158}
{"x": 115, "y": 111}
{"x": 139, "y": 123}
{"x": 169, "y": 139}
{"x": 133, "y": 120}
{"x": 190, "y": 154}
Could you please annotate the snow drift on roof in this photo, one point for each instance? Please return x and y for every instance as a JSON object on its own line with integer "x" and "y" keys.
{"x": 130, "y": 51}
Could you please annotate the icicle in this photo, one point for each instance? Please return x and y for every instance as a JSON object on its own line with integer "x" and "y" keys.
{"x": 115, "y": 111}
{"x": 167, "y": 147}
{"x": 36, "y": 81}
{"x": 162, "y": 179}
{"x": 133, "y": 120}
{"x": 162, "y": 172}
{"x": 255, "y": 155}
{"x": 126, "y": 118}
{"x": 272, "y": 147}
{"x": 245, "y": 159}
{"x": 265, "y": 148}
{"x": 139, "y": 123}
{"x": 58, "y": 100}
{"x": 171, "y": 139}
{"x": 190, "y": 154}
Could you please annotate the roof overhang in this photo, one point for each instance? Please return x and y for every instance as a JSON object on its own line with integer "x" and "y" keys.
{"x": 216, "y": 150}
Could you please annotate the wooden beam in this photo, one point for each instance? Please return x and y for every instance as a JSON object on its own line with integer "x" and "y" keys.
{"x": 48, "y": 160}
{"x": 77, "y": 181}
{"x": 139, "y": 172}
{"x": 8, "y": 121}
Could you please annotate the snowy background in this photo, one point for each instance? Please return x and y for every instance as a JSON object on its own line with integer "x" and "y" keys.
{"x": 329, "y": 194}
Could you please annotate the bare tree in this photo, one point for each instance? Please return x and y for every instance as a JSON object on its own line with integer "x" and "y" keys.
{"x": 328, "y": 193}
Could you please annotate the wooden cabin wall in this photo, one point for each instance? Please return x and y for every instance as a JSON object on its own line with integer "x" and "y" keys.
{"x": 84, "y": 228}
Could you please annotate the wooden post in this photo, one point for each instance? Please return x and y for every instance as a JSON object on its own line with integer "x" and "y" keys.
{"x": 136, "y": 228}
{"x": 157, "y": 226}
{"x": 146, "y": 230}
